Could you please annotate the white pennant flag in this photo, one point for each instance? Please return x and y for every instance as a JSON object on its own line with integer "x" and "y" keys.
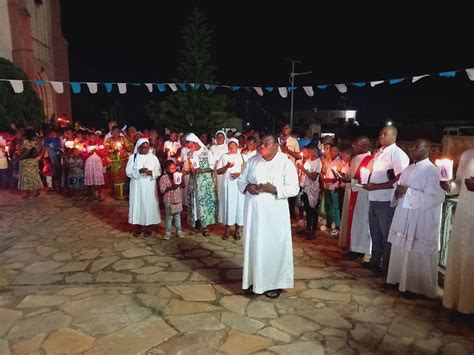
{"x": 192, "y": 85}
{"x": 58, "y": 86}
{"x": 308, "y": 90}
{"x": 17, "y": 86}
{"x": 470, "y": 73}
{"x": 207, "y": 86}
{"x": 375, "y": 83}
{"x": 342, "y": 88}
{"x": 173, "y": 87}
{"x": 122, "y": 87}
{"x": 283, "y": 92}
{"x": 149, "y": 87}
{"x": 258, "y": 90}
{"x": 92, "y": 87}
{"x": 416, "y": 78}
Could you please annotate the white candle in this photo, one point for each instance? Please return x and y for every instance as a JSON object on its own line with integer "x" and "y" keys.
{"x": 445, "y": 167}
{"x": 177, "y": 177}
{"x": 364, "y": 175}
{"x": 69, "y": 144}
{"x": 118, "y": 145}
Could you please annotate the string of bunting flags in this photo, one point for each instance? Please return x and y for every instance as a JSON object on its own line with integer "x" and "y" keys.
{"x": 76, "y": 87}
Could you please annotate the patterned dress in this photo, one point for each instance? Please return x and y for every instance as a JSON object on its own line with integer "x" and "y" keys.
{"x": 29, "y": 174}
{"x": 202, "y": 197}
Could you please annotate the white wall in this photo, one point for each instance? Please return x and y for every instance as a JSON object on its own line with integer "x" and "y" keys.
{"x": 5, "y": 34}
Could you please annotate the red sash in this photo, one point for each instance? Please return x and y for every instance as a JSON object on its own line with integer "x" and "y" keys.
{"x": 353, "y": 199}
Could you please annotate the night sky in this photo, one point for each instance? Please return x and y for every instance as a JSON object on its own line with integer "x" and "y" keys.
{"x": 137, "y": 41}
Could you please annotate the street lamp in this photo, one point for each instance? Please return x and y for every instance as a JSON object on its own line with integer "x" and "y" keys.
{"x": 292, "y": 82}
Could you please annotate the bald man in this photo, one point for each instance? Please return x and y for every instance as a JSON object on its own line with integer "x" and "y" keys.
{"x": 386, "y": 167}
{"x": 355, "y": 234}
{"x": 415, "y": 231}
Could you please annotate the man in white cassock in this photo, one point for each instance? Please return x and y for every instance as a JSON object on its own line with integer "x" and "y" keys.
{"x": 267, "y": 181}
{"x": 459, "y": 279}
{"x": 415, "y": 229}
{"x": 143, "y": 168}
{"x": 355, "y": 232}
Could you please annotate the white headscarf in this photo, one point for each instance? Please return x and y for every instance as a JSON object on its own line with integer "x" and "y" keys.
{"x": 225, "y": 137}
{"x": 191, "y": 137}
{"x": 139, "y": 143}
{"x": 233, "y": 140}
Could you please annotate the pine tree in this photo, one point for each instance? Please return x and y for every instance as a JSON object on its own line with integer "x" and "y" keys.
{"x": 22, "y": 109}
{"x": 196, "y": 109}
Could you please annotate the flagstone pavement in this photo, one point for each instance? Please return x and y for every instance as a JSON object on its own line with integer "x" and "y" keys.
{"x": 74, "y": 281}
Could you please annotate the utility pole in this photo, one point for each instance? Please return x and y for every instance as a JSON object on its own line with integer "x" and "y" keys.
{"x": 292, "y": 82}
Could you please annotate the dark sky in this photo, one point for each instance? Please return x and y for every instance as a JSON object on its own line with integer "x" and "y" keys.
{"x": 137, "y": 41}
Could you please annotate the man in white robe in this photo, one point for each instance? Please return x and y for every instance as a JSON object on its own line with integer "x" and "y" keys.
{"x": 355, "y": 231}
{"x": 143, "y": 168}
{"x": 267, "y": 181}
{"x": 415, "y": 229}
{"x": 459, "y": 278}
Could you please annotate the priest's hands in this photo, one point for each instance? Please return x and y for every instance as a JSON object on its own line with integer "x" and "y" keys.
{"x": 470, "y": 184}
{"x": 253, "y": 189}
{"x": 143, "y": 170}
{"x": 400, "y": 191}
{"x": 267, "y": 187}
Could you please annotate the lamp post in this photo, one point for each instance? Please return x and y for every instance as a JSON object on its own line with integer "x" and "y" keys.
{"x": 292, "y": 82}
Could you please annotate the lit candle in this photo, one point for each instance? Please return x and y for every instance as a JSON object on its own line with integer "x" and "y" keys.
{"x": 69, "y": 144}
{"x": 445, "y": 167}
{"x": 364, "y": 175}
{"x": 118, "y": 145}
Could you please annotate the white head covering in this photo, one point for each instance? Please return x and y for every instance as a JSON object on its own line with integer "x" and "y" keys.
{"x": 191, "y": 137}
{"x": 225, "y": 137}
{"x": 139, "y": 143}
{"x": 233, "y": 140}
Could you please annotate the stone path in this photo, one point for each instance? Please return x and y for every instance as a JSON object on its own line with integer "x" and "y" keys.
{"x": 72, "y": 280}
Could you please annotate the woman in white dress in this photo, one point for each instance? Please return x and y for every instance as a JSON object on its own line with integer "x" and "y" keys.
{"x": 143, "y": 168}
{"x": 231, "y": 202}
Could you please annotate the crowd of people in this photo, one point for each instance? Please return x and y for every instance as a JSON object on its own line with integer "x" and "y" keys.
{"x": 384, "y": 211}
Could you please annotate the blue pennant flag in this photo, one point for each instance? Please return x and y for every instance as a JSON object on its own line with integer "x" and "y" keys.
{"x": 396, "y": 81}
{"x": 214, "y": 86}
{"x": 269, "y": 88}
{"x": 361, "y": 85}
{"x": 322, "y": 86}
{"x": 76, "y": 87}
{"x": 161, "y": 87}
{"x": 108, "y": 87}
{"x": 182, "y": 86}
{"x": 235, "y": 88}
{"x": 291, "y": 88}
{"x": 197, "y": 86}
{"x": 39, "y": 82}
{"x": 448, "y": 74}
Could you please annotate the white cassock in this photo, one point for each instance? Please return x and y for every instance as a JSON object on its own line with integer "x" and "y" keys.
{"x": 249, "y": 155}
{"x": 415, "y": 231}
{"x": 217, "y": 151}
{"x": 355, "y": 231}
{"x": 231, "y": 201}
{"x": 459, "y": 278}
{"x": 268, "y": 250}
{"x": 184, "y": 158}
{"x": 144, "y": 209}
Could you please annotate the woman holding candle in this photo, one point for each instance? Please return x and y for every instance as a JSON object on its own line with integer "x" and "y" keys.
{"x": 143, "y": 168}
{"x": 30, "y": 180}
{"x": 202, "y": 198}
{"x": 118, "y": 148}
{"x": 94, "y": 168}
{"x": 231, "y": 202}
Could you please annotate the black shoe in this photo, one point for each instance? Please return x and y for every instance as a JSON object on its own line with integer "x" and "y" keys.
{"x": 388, "y": 286}
{"x": 249, "y": 291}
{"x": 411, "y": 295}
{"x": 272, "y": 293}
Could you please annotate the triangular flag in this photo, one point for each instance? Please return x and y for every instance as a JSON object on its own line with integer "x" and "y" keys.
{"x": 58, "y": 86}
{"x": 92, "y": 87}
{"x": 322, "y": 86}
{"x": 214, "y": 86}
{"x": 207, "y": 86}
{"x": 341, "y": 87}
{"x": 258, "y": 90}
{"x": 395, "y": 81}
{"x": 376, "y": 82}
{"x": 192, "y": 85}
{"x": 182, "y": 86}
{"x": 173, "y": 87}
{"x": 39, "y": 82}
{"x": 76, "y": 87}
{"x": 416, "y": 78}
{"x": 108, "y": 87}
{"x": 283, "y": 92}
{"x": 122, "y": 87}
{"x": 235, "y": 88}
{"x": 292, "y": 88}
{"x": 308, "y": 90}
{"x": 197, "y": 86}
{"x": 161, "y": 87}
{"x": 149, "y": 87}
{"x": 470, "y": 73}
{"x": 360, "y": 85}
{"x": 447, "y": 74}
{"x": 17, "y": 86}
{"x": 269, "y": 88}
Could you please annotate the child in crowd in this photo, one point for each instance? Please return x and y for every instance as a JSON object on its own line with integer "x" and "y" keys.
{"x": 172, "y": 199}
{"x": 75, "y": 174}
{"x": 48, "y": 173}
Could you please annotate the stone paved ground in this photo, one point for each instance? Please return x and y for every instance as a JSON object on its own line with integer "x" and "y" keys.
{"x": 72, "y": 280}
